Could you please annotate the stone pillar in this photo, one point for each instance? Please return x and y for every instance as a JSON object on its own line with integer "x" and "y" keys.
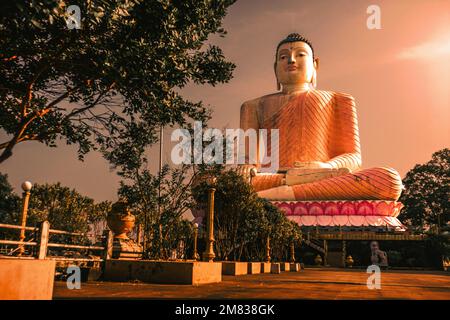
{"x": 292, "y": 249}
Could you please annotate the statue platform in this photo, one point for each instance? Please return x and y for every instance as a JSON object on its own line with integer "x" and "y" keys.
{"x": 164, "y": 272}
{"x": 376, "y": 213}
{"x": 126, "y": 249}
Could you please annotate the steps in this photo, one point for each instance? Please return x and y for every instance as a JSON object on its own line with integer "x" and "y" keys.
{"x": 315, "y": 244}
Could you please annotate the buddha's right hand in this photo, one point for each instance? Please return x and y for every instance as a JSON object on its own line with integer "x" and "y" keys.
{"x": 247, "y": 171}
{"x": 312, "y": 165}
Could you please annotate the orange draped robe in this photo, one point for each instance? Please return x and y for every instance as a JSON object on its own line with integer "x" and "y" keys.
{"x": 322, "y": 126}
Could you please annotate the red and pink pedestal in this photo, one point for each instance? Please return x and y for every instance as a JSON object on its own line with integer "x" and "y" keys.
{"x": 363, "y": 213}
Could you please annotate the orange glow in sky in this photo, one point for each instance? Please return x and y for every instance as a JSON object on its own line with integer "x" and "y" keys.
{"x": 399, "y": 76}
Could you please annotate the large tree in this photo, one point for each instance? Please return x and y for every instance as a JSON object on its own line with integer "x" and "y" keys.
{"x": 110, "y": 84}
{"x": 427, "y": 193}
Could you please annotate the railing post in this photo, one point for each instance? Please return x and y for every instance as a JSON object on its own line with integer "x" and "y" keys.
{"x": 108, "y": 244}
{"x": 44, "y": 232}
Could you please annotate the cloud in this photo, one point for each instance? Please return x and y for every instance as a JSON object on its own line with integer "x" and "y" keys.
{"x": 427, "y": 50}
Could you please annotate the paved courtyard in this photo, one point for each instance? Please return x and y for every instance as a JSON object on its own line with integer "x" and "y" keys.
{"x": 307, "y": 284}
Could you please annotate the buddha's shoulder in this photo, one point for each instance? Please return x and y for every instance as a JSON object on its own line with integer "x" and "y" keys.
{"x": 254, "y": 103}
{"x": 339, "y": 97}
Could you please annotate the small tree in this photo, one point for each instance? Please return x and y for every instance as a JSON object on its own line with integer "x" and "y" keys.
{"x": 427, "y": 193}
{"x": 281, "y": 232}
{"x": 243, "y": 221}
{"x": 159, "y": 203}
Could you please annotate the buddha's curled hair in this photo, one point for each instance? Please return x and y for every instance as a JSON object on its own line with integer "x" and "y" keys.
{"x": 294, "y": 37}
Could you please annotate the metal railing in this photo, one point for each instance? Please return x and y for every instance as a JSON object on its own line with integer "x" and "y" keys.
{"x": 42, "y": 243}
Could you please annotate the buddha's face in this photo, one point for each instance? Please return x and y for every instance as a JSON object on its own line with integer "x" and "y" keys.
{"x": 295, "y": 64}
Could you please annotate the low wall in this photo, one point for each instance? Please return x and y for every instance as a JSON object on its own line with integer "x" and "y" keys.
{"x": 285, "y": 266}
{"x": 253, "y": 267}
{"x": 166, "y": 272}
{"x": 265, "y": 267}
{"x": 23, "y": 279}
{"x": 234, "y": 268}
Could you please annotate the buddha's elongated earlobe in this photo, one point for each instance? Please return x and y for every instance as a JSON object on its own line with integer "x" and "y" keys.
{"x": 276, "y": 77}
{"x": 314, "y": 75}
{"x": 314, "y": 79}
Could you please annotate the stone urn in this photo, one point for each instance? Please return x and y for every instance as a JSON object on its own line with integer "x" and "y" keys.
{"x": 349, "y": 261}
{"x": 120, "y": 220}
{"x": 318, "y": 260}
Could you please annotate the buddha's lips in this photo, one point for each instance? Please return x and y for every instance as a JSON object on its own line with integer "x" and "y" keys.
{"x": 292, "y": 68}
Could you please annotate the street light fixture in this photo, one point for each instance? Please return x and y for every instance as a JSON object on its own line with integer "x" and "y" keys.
{"x": 26, "y": 187}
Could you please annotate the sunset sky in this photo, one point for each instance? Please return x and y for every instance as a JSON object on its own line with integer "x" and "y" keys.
{"x": 399, "y": 76}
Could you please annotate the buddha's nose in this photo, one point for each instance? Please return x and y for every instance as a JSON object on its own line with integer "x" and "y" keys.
{"x": 291, "y": 60}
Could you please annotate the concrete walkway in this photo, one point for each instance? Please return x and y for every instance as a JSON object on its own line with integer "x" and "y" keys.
{"x": 307, "y": 284}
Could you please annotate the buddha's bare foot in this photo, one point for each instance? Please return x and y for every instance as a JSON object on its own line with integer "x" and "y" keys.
{"x": 282, "y": 193}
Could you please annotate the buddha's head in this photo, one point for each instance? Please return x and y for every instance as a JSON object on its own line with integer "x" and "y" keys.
{"x": 295, "y": 63}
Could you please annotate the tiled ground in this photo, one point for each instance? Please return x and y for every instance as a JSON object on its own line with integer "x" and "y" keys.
{"x": 307, "y": 284}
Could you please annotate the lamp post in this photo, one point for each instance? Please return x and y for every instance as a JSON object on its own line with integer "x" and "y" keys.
{"x": 268, "y": 245}
{"x": 209, "y": 254}
{"x": 196, "y": 257}
{"x": 26, "y": 187}
{"x": 268, "y": 249}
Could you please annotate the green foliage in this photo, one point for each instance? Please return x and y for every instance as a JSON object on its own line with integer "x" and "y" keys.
{"x": 164, "y": 226}
{"x": 9, "y": 201}
{"x": 243, "y": 221}
{"x": 282, "y": 232}
{"x": 10, "y": 205}
{"x": 110, "y": 84}
{"x": 427, "y": 193}
{"x": 394, "y": 257}
{"x": 63, "y": 207}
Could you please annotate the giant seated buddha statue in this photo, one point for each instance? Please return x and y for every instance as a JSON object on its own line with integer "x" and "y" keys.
{"x": 319, "y": 180}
